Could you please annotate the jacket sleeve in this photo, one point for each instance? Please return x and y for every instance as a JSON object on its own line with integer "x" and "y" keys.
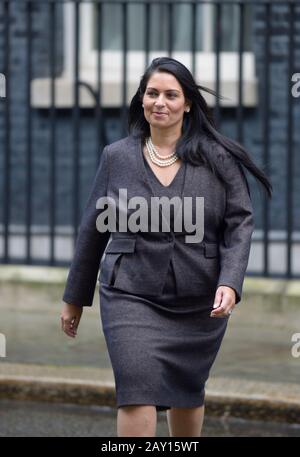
{"x": 238, "y": 226}
{"x": 90, "y": 244}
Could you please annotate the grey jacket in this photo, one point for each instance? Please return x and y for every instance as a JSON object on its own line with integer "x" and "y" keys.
{"x": 138, "y": 262}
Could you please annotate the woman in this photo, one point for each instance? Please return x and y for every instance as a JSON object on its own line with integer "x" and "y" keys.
{"x": 165, "y": 296}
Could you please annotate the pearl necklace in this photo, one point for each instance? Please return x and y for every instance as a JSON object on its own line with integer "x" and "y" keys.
{"x": 162, "y": 161}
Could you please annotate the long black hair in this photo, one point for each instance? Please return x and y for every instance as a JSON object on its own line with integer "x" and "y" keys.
{"x": 199, "y": 134}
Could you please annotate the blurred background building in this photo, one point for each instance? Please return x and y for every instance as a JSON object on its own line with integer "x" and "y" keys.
{"x": 71, "y": 69}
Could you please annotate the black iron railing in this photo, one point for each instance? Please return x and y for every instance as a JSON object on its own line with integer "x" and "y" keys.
{"x": 54, "y": 51}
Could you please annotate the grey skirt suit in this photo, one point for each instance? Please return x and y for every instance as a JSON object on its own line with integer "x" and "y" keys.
{"x": 161, "y": 349}
{"x": 157, "y": 289}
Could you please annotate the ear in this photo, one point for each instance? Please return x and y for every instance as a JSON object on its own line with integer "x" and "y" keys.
{"x": 188, "y": 106}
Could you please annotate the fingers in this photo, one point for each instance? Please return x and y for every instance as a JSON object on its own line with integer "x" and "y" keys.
{"x": 222, "y": 311}
{"x": 223, "y": 305}
{"x": 70, "y": 318}
{"x": 69, "y": 326}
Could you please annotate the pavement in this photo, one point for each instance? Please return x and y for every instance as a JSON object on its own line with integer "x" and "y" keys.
{"x": 24, "y": 418}
{"x": 255, "y": 375}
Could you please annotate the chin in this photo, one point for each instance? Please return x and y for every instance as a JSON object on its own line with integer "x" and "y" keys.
{"x": 160, "y": 121}
{"x": 158, "y": 125}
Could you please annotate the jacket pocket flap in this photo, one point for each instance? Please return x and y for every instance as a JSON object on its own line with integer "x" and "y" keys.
{"x": 121, "y": 245}
{"x": 211, "y": 249}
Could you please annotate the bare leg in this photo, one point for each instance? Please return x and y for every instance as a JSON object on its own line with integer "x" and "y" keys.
{"x": 136, "y": 420}
{"x": 185, "y": 421}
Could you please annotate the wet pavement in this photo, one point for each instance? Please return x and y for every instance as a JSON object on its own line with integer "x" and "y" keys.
{"x": 26, "y": 418}
{"x": 255, "y": 356}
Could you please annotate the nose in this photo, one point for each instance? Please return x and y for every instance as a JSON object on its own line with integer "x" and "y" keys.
{"x": 159, "y": 102}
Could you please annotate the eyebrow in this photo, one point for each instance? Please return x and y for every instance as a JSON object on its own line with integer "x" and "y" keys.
{"x": 168, "y": 90}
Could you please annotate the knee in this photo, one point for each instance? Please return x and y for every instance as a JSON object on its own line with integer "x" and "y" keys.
{"x": 137, "y": 420}
{"x": 186, "y": 415}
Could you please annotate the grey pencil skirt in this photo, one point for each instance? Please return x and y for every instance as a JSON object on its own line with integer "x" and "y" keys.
{"x": 161, "y": 348}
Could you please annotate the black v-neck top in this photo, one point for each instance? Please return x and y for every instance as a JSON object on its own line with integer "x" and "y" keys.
{"x": 174, "y": 189}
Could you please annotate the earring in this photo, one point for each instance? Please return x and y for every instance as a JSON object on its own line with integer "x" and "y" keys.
{"x": 143, "y": 106}
{"x": 187, "y": 110}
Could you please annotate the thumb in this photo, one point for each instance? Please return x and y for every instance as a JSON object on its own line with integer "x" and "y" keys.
{"x": 75, "y": 322}
{"x": 218, "y": 298}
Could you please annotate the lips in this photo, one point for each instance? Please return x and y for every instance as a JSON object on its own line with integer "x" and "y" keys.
{"x": 157, "y": 112}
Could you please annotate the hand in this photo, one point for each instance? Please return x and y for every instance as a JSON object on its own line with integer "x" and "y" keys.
{"x": 70, "y": 317}
{"x": 224, "y": 302}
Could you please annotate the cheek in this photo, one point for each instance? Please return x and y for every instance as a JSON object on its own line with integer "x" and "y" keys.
{"x": 147, "y": 101}
{"x": 147, "y": 112}
{"x": 147, "y": 107}
{"x": 177, "y": 110}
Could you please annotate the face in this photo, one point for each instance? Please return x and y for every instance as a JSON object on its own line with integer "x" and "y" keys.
{"x": 164, "y": 101}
